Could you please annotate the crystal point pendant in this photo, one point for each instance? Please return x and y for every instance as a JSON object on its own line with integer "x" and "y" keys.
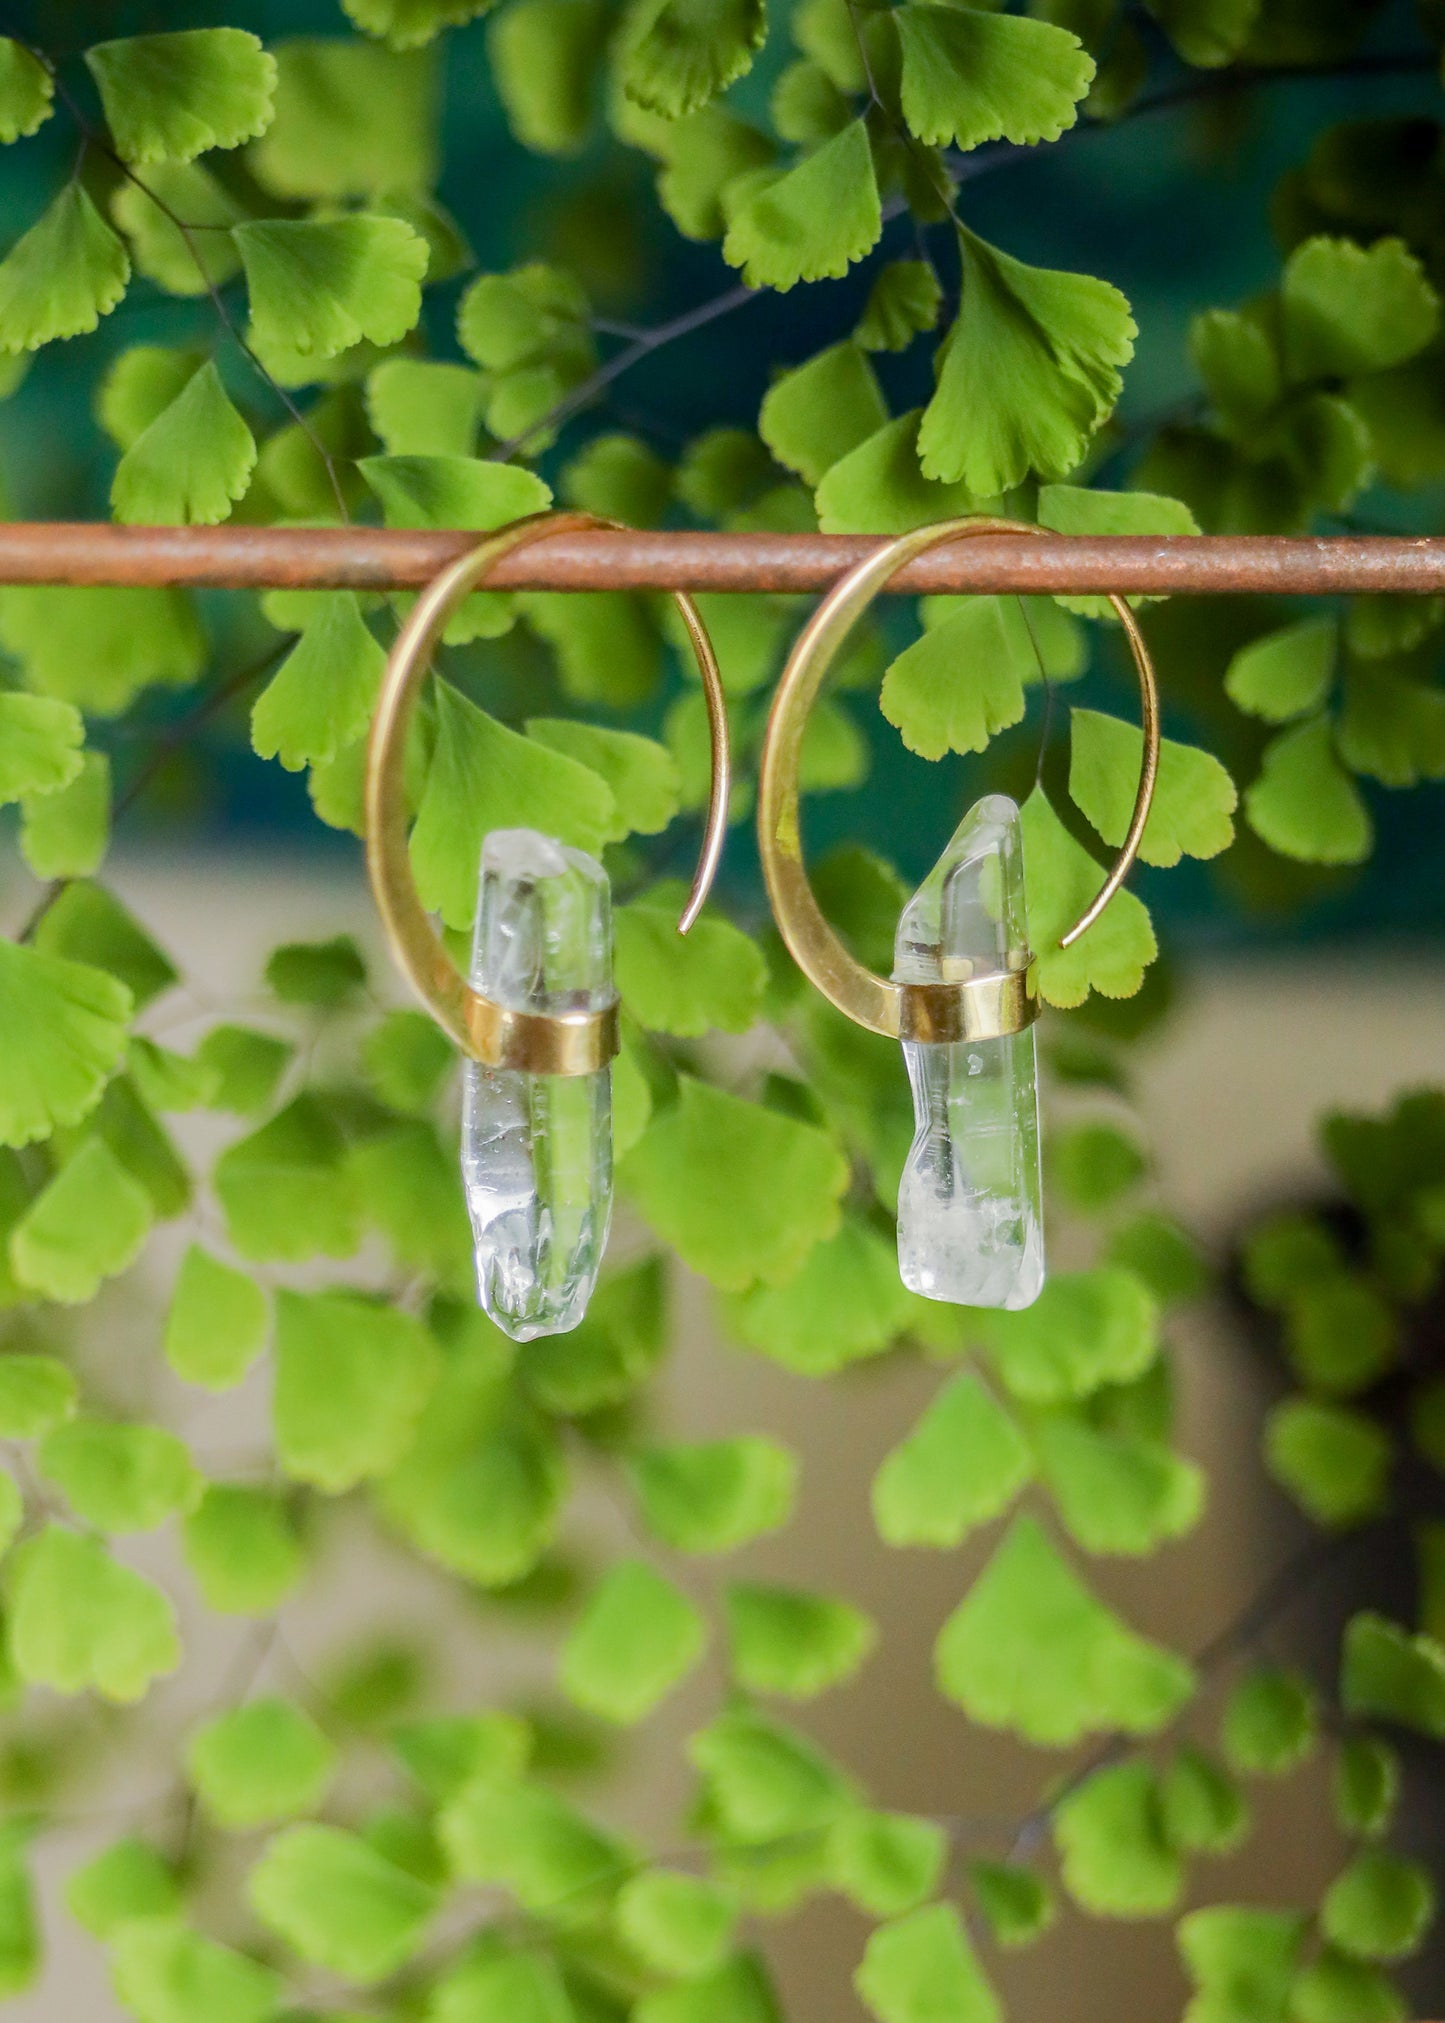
{"x": 537, "y": 1149}
{"x": 970, "y": 1217}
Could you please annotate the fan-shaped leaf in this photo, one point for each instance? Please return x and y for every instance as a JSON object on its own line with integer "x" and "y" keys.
{"x": 971, "y": 76}
{"x": 1112, "y": 956}
{"x": 40, "y": 745}
{"x": 715, "y": 1495}
{"x": 90, "y": 1222}
{"x": 117, "y": 1477}
{"x": 1286, "y": 673}
{"x": 676, "y": 1924}
{"x": 321, "y": 697}
{"x": 481, "y": 1487}
{"x": 922, "y": 1969}
{"x": 962, "y": 1464}
{"x": 684, "y": 52}
{"x": 763, "y": 1781}
{"x": 351, "y": 1381}
{"x": 36, "y": 1393}
{"x": 320, "y": 285}
{"x": 808, "y": 221}
{"x": 171, "y": 97}
{"x": 183, "y": 263}
{"x": 1116, "y": 1494}
{"x": 192, "y": 463}
{"x": 125, "y": 1881}
{"x": 64, "y": 1028}
{"x": 741, "y": 1192}
{"x": 1028, "y": 372}
{"x": 1085, "y": 1330}
{"x": 27, "y": 91}
{"x": 1242, "y": 1961}
{"x": 847, "y": 1302}
{"x": 904, "y": 300}
{"x": 641, "y": 773}
{"x": 62, "y": 276}
{"x": 1380, "y": 1908}
{"x": 886, "y": 1862}
{"x": 164, "y": 1973}
{"x": 1029, "y": 1648}
{"x": 637, "y": 1639}
{"x": 711, "y": 979}
{"x": 242, "y": 1549}
{"x": 424, "y": 407}
{"x": 100, "y": 648}
{"x": 259, "y": 1763}
{"x": 1334, "y": 1462}
{"x": 217, "y": 1322}
{"x": 531, "y": 1842}
{"x": 483, "y": 776}
{"x": 1390, "y": 1674}
{"x": 78, "y": 1619}
{"x": 783, "y": 1640}
{"x": 1366, "y": 1785}
{"x": 1269, "y": 1723}
{"x": 1016, "y": 1904}
{"x": 818, "y": 412}
{"x": 284, "y": 1188}
{"x": 1350, "y": 308}
{"x": 339, "y": 1903}
{"x": 1304, "y": 804}
{"x": 353, "y": 120}
{"x": 1115, "y": 1859}
{"x": 963, "y": 680}
{"x": 66, "y": 833}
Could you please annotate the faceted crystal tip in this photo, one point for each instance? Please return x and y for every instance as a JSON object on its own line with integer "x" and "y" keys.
{"x": 970, "y": 1217}
{"x": 537, "y": 1149}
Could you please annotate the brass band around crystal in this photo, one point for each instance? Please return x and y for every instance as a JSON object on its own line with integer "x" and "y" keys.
{"x": 537, "y": 1020}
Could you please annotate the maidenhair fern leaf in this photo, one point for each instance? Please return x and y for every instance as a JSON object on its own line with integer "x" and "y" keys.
{"x": 1029, "y": 371}
{"x": 27, "y": 91}
{"x": 64, "y": 1027}
{"x": 171, "y": 97}
{"x": 809, "y": 221}
{"x": 62, "y": 276}
{"x": 971, "y": 76}
{"x": 1304, "y": 804}
{"x": 191, "y": 464}
{"x": 320, "y": 285}
{"x": 681, "y": 53}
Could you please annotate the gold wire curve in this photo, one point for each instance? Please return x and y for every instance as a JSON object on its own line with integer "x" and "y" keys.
{"x": 985, "y": 1006}
{"x": 549, "y": 1043}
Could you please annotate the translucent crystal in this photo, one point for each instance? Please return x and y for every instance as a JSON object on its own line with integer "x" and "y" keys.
{"x": 970, "y": 1216}
{"x": 537, "y": 1149}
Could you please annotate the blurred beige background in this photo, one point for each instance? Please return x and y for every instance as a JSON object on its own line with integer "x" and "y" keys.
{"x": 1229, "y": 1098}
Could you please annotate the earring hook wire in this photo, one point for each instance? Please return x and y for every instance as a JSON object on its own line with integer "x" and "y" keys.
{"x": 983, "y": 1006}
{"x": 556, "y": 1043}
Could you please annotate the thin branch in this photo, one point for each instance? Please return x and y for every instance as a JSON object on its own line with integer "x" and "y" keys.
{"x": 1243, "y": 1630}
{"x": 960, "y": 169}
{"x": 642, "y": 346}
{"x": 180, "y": 733}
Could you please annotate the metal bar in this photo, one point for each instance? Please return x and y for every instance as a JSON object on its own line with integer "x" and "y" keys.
{"x": 375, "y": 558}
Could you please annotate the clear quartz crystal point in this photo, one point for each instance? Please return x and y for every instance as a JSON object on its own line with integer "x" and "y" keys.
{"x": 537, "y": 1149}
{"x": 970, "y": 1214}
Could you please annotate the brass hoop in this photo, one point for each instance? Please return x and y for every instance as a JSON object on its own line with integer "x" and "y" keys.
{"x": 985, "y": 1006}
{"x": 543, "y": 1043}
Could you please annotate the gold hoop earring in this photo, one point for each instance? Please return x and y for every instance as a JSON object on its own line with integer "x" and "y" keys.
{"x": 537, "y": 1019}
{"x": 964, "y": 992}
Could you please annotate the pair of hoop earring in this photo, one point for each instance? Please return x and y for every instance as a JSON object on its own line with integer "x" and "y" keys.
{"x": 538, "y": 1018}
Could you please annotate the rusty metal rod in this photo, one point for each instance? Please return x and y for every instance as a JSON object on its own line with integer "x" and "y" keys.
{"x": 375, "y": 558}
